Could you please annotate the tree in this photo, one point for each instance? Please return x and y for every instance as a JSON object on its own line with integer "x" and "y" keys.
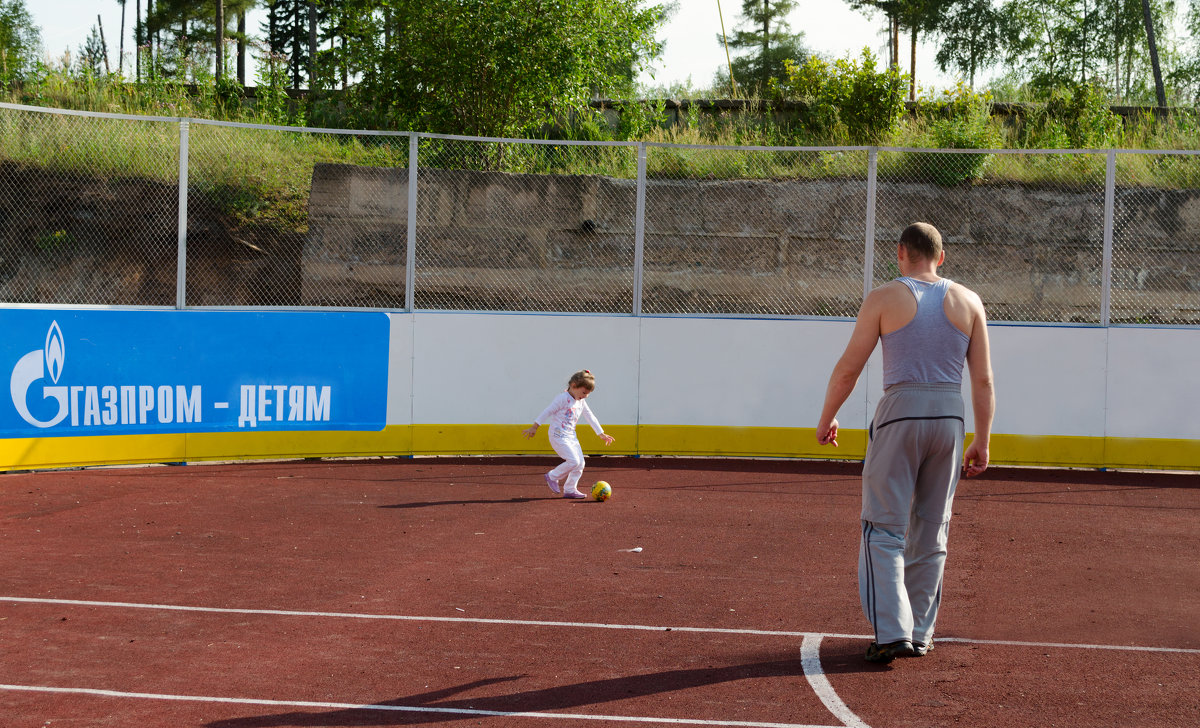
{"x": 1059, "y": 43}
{"x": 1186, "y": 74}
{"x": 1121, "y": 39}
{"x": 891, "y": 10}
{"x": 972, "y": 35}
{"x": 287, "y": 31}
{"x": 176, "y": 19}
{"x": 219, "y": 37}
{"x": 1051, "y": 42}
{"x": 241, "y": 47}
{"x": 488, "y": 67}
{"x": 915, "y": 16}
{"x": 766, "y": 41}
{"x": 919, "y": 16}
{"x": 237, "y": 9}
{"x": 1160, "y": 94}
{"x": 191, "y": 27}
{"x": 91, "y": 54}
{"x": 335, "y": 61}
{"x": 1125, "y": 42}
{"x": 121, "y": 43}
{"x": 20, "y": 41}
{"x": 143, "y": 40}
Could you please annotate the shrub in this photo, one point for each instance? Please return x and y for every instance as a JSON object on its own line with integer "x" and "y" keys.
{"x": 639, "y": 118}
{"x": 848, "y": 100}
{"x": 957, "y": 119}
{"x": 1081, "y": 113}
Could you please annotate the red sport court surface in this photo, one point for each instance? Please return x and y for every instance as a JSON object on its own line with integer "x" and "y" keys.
{"x": 394, "y": 592}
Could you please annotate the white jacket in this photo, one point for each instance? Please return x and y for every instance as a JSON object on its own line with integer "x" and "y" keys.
{"x": 563, "y": 413}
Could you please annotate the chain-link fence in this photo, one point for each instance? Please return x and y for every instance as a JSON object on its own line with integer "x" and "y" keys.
{"x": 553, "y": 231}
{"x": 286, "y": 217}
{"x": 1027, "y": 234}
{"x": 754, "y": 231}
{"x": 88, "y": 209}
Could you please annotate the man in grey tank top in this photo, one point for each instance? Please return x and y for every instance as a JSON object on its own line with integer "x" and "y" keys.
{"x": 929, "y": 326}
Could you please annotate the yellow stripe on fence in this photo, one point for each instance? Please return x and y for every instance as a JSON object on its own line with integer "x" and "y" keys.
{"x": 647, "y": 440}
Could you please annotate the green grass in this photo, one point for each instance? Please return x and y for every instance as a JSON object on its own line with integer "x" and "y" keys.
{"x": 263, "y": 176}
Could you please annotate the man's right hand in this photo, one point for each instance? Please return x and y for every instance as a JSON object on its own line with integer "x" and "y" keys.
{"x": 827, "y": 434}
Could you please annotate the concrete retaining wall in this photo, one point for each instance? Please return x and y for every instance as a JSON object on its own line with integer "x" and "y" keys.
{"x": 788, "y": 247}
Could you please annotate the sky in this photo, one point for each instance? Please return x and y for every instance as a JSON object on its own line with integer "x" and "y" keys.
{"x": 692, "y": 52}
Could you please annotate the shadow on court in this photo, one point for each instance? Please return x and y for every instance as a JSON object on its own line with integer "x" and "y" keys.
{"x": 437, "y": 707}
{"x": 489, "y": 501}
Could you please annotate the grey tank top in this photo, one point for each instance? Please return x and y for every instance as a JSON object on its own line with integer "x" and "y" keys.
{"x": 929, "y": 349}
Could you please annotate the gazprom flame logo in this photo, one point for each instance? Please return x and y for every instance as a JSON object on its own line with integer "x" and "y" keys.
{"x": 39, "y": 366}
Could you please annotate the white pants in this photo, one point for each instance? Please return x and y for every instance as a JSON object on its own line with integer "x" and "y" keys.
{"x": 571, "y": 468}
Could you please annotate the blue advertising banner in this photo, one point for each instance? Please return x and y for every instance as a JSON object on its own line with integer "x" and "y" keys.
{"x": 99, "y": 372}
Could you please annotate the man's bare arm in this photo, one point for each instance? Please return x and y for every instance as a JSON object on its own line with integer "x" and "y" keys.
{"x": 983, "y": 392}
{"x": 849, "y": 367}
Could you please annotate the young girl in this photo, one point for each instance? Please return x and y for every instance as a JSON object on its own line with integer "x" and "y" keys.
{"x": 563, "y": 414}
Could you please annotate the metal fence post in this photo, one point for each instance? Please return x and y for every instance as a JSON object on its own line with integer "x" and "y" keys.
{"x": 410, "y": 255}
{"x": 869, "y": 237}
{"x": 639, "y": 230}
{"x": 181, "y": 248}
{"x": 1110, "y": 188}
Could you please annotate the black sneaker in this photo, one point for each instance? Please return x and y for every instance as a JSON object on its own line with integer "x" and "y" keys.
{"x": 884, "y": 654}
{"x": 920, "y": 649}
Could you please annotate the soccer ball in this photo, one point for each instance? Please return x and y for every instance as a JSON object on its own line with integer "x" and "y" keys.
{"x": 601, "y": 490}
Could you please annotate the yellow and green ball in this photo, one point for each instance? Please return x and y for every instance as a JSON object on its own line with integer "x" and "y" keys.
{"x": 601, "y": 491}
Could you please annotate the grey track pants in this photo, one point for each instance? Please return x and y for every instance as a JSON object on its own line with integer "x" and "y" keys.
{"x": 913, "y": 461}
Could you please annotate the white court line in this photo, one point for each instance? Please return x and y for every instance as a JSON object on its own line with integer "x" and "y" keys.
{"x": 809, "y": 651}
{"x": 412, "y": 618}
{"x": 399, "y": 708}
{"x": 588, "y": 625}
{"x": 1069, "y": 645}
{"x": 810, "y": 659}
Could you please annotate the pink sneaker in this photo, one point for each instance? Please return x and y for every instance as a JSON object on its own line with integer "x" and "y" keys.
{"x": 574, "y": 494}
{"x": 552, "y": 484}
